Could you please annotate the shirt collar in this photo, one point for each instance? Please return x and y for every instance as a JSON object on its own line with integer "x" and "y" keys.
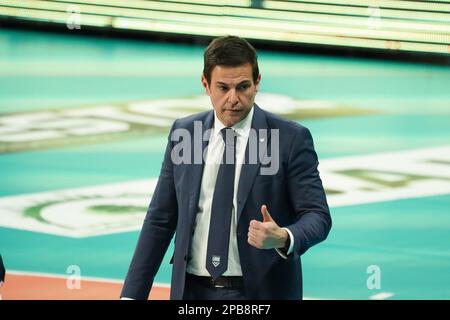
{"x": 242, "y": 128}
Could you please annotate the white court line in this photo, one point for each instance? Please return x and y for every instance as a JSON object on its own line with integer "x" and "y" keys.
{"x": 381, "y": 296}
{"x": 60, "y": 276}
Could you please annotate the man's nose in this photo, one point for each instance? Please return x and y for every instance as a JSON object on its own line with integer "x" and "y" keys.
{"x": 232, "y": 97}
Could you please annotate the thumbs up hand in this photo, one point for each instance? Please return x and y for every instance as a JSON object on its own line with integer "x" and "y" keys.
{"x": 266, "y": 234}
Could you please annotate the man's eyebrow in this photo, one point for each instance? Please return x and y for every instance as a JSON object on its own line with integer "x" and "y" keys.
{"x": 226, "y": 84}
{"x": 220, "y": 83}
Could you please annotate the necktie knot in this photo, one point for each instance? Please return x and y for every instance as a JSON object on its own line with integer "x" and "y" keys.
{"x": 228, "y": 135}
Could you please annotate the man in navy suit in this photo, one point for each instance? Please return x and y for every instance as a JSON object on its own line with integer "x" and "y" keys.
{"x": 223, "y": 171}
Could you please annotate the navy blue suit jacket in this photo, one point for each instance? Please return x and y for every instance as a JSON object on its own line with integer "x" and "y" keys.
{"x": 294, "y": 197}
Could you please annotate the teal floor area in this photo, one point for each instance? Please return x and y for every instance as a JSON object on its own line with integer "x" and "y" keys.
{"x": 404, "y": 106}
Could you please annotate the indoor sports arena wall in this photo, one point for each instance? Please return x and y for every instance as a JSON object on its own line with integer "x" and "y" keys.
{"x": 387, "y": 25}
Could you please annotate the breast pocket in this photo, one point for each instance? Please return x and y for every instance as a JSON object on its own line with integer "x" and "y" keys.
{"x": 266, "y": 186}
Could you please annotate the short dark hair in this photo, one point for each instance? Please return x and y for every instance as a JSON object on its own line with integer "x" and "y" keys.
{"x": 229, "y": 51}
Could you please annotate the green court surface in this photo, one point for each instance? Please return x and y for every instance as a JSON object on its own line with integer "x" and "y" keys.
{"x": 77, "y": 175}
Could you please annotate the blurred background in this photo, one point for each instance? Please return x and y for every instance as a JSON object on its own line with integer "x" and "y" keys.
{"x": 89, "y": 89}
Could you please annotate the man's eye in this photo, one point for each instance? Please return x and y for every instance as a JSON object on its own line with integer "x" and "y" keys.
{"x": 222, "y": 88}
{"x": 243, "y": 87}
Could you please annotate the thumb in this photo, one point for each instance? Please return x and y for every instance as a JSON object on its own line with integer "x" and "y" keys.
{"x": 265, "y": 214}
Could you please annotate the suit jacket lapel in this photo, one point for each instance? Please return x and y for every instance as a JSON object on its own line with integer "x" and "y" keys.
{"x": 249, "y": 171}
{"x": 195, "y": 170}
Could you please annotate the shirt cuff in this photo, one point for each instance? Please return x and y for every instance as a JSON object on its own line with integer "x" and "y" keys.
{"x": 125, "y": 298}
{"x": 291, "y": 245}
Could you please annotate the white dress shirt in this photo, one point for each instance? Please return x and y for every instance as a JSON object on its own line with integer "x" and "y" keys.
{"x": 197, "y": 264}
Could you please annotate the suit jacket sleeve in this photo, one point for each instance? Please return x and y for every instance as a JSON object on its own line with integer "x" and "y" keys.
{"x": 157, "y": 231}
{"x": 2, "y": 270}
{"x": 312, "y": 216}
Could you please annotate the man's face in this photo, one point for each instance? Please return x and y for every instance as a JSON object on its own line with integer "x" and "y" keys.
{"x": 232, "y": 92}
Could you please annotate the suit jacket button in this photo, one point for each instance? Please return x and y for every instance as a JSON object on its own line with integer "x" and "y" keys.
{"x": 185, "y": 258}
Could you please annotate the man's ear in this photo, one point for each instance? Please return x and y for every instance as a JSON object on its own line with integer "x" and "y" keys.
{"x": 205, "y": 84}
{"x": 258, "y": 81}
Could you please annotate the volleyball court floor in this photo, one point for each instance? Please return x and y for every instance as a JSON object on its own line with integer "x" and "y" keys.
{"x": 84, "y": 123}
